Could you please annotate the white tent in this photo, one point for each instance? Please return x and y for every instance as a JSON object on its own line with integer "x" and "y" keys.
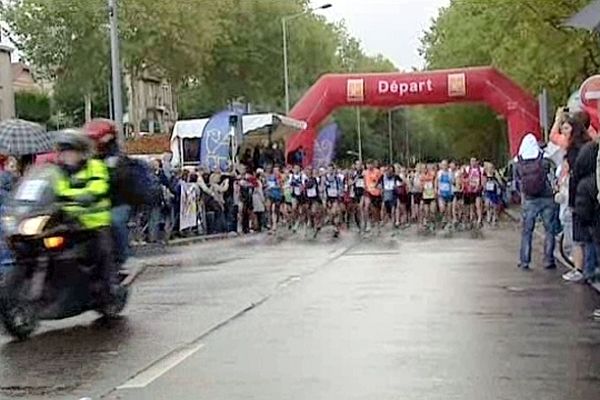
{"x": 185, "y": 140}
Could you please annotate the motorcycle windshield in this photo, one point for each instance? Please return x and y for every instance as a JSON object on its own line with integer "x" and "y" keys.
{"x": 34, "y": 193}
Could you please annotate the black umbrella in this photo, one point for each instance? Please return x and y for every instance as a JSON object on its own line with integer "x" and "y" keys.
{"x": 19, "y": 138}
{"x": 587, "y": 18}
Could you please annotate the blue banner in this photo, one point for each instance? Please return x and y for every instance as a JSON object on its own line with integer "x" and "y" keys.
{"x": 325, "y": 145}
{"x": 215, "y": 144}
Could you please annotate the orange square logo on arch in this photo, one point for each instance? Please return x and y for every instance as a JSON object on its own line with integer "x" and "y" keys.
{"x": 355, "y": 90}
{"x": 457, "y": 85}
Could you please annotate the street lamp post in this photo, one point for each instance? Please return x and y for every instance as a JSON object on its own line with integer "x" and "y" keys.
{"x": 286, "y": 77}
{"x": 359, "y": 133}
{"x": 391, "y": 150}
{"x": 116, "y": 68}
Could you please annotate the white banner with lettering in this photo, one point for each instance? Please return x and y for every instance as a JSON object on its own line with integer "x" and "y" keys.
{"x": 188, "y": 206}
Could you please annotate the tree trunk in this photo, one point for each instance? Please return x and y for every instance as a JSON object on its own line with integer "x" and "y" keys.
{"x": 133, "y": 112}
{"x": 87, "y": 98}
{"x": 174, "y": 100}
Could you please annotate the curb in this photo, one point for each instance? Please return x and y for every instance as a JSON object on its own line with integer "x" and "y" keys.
{"x": 141, "y": 250}
{"x": 515, "y": 217}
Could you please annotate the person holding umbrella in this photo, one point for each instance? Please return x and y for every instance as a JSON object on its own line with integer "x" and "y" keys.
{"x": 23, "y": 140}
{"x": 19, "y": 140}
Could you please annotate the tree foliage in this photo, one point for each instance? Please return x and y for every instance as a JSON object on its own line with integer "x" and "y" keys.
{"x": 32, "y": 106}
{"x": 525, "y": 39}
{"x": 68, "y": 40}
{"x": 213, "y": 52}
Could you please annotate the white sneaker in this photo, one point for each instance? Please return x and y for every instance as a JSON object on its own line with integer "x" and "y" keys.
{"x": 596, "y": 313}
{"x": 573, "y": 276}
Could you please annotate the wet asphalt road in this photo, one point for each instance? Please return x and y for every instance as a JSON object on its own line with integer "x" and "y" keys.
{"x": 391, "y": 318}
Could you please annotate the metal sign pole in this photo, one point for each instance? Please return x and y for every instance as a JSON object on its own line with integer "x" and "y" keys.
{"x": 116, "y": 68}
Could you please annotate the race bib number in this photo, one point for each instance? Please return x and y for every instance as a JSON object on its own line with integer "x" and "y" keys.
{"x": 428, "y": 191}
{"x": 444, "y": 187}
{"x": 311, "y": 192}
{"x": 490, "y": 186}
{"x": 388, "y": 185}
{"x": 297, "y": 191}
{"x": 332, "y": 192}
{"x": 271, "y": 184}
{"x": 360, "y": 183}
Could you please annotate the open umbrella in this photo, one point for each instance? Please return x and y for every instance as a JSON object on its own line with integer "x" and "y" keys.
{"x": 19, "y": 137}
{"x": 587, "y": 18}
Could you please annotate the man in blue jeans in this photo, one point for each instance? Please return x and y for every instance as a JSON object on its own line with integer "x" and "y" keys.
{"x": 535, "y": 173}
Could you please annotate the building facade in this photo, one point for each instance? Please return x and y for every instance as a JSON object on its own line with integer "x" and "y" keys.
{"x": 24, "y": 80}
{"x": 7, "y": 97}
{"x": 150, "y": 104}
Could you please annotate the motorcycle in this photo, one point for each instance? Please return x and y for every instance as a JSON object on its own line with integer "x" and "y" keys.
{"x": 52, "y": 274}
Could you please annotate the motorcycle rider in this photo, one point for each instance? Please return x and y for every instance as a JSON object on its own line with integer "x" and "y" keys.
{"x": 83, "y": 187}
{"x": 103, "y": 132}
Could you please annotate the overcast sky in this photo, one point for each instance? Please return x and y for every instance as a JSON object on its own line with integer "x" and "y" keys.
{"x": 389, "y": 27}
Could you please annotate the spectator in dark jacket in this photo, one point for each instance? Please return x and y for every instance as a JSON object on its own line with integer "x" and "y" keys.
{"x": 8, "y": 178}
{"x": 587, "y": 207}
{"x": 256, "y": 157}
{"x": 578, "y": 136}
{"x": 278, "y": 155}
{"x": 164, "y": 210}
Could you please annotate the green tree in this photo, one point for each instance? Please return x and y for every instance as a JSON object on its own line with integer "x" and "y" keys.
{"x": 526, "y": 40}
{"x": 373, "y": 123}
{"x": 32, "y": 106}
{"x": 64, "y": 39}
{"x": 68, "y": 40}
{"x": 247, "y": 59}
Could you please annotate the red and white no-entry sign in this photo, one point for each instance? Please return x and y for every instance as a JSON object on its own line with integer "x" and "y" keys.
{"x": 590, "y": 91}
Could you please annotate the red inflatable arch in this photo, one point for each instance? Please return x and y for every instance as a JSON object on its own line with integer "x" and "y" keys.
{"x": 480, "y": 84}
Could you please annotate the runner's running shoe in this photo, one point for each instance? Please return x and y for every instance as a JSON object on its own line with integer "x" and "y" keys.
{"x": 573, "y": 276}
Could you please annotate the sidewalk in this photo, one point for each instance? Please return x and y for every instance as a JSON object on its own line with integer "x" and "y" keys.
{"x": 514, "y": 213}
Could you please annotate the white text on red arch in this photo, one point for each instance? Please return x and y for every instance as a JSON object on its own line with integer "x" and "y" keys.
{"x": 404, "y": 88}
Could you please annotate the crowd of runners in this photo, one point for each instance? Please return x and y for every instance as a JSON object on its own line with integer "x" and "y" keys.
{"x": 444, "y": 195}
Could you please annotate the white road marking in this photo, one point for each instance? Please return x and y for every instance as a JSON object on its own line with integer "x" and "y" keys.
{"x": 156, "y": 370}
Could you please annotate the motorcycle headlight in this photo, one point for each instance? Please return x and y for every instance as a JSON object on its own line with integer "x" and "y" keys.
{"x": 33, "y": 226}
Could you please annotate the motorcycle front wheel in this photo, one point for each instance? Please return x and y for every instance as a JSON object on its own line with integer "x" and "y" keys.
{"x": 117, "y": 305}
{"x": 18, "y": 318}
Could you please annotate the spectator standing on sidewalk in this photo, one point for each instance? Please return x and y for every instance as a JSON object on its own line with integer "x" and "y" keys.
{"x": 246, "y": 185}
{"x": 166, "y": 160}
{"x": 278, "y": 155}
{"x": 218, "y": 189}
{"x": 228, "y": 178}
{"x": 587, "y": 207}
{"x": 8, "y": 178}
{"x": 258, "y": 202}
{"x": 577, "y": 134}
{"x": 535, "y": 172}
{"x": 165, "y": 204}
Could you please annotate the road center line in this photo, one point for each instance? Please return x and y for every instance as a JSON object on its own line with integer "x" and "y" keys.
{"x": 155, "y": 371}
